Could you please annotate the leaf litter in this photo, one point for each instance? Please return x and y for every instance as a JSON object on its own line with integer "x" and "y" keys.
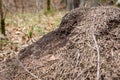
{"x": 70, "y": 52}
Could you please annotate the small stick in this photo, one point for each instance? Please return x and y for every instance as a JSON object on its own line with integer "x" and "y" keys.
{"x": 98, "y": 59}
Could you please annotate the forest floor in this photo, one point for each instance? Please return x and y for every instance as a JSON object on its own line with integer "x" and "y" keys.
{"x": 85, "y": 46}
{"x": 24, "y": 29}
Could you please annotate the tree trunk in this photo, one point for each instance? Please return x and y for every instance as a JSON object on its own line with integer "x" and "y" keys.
{"x": 72, "y": 4}
{"x": 76, "y": 3}
{"x": 16, "y": 7}
{"x": 69, "y": 5}
{"x": 48, "y": 5}
{"x": 89, "y": 3}
{"x": 2, "y": 19}
{"x": 37, "y": 5}
{"x": 22, "y": 4}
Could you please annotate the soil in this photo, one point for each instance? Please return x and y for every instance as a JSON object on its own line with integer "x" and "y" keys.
{"x": 71, "y": 52}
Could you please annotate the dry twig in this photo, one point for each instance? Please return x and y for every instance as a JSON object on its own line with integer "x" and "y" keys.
{"x": 98, "y": 59}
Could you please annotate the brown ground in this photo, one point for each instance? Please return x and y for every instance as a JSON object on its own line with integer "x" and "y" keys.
{"x": 71, "y": 51}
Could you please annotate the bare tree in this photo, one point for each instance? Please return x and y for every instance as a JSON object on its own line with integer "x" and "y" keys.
{"x": 48, "y": 5}
{"x": 76, "y": 3}
{"x": 22, "y": 4}
{"x": 2, "y": 18}
{"x": 69, "y": 5}
{"x": 37, "y": 5}
{"x": 15, "y": 2}
{"x": 72, "y": 4}
{"x": 90, "y": 3}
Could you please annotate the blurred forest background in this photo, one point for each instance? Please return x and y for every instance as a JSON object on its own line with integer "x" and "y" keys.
{"x": 25, "y": 21}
